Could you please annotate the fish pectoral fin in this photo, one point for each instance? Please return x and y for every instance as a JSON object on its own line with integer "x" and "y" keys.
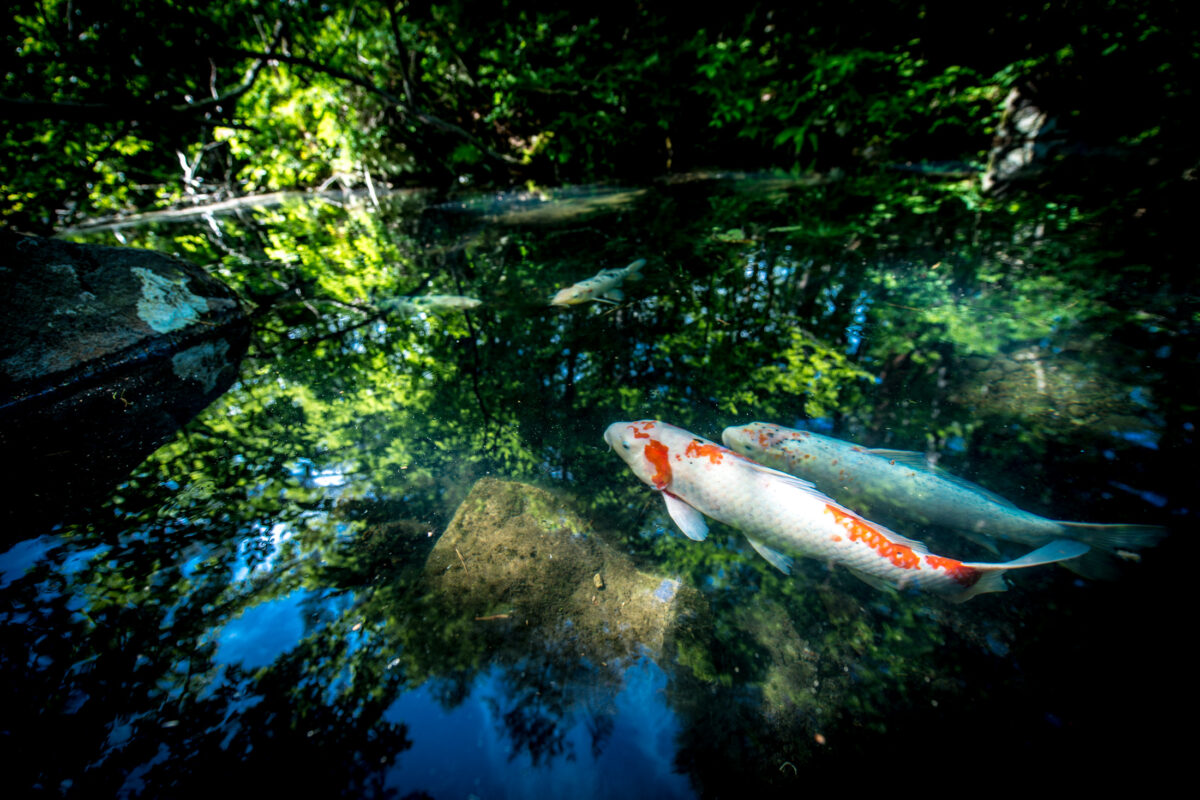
{"x": 689, "y": 520}
{"x": 611, "y": 296}
{"x": 981, "y": 539}
{"x": 778, "y": 560}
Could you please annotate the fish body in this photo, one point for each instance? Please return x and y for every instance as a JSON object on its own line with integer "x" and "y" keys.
{"x": 783, "y": 516}
{"x": 902, "y": 485}
{"x": 604, "y": 286}
{"x": 427, "y": 302}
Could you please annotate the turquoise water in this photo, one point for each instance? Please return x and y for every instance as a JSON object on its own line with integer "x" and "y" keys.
{"x": 398, "y": 557}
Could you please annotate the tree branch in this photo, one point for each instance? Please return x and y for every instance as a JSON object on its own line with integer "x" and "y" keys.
{"x": 420, "y": 116}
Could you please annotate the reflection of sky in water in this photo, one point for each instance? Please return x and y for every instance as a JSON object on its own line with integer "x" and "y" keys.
{"x": 460, "y": 752}
{"x": 263, "y": 632}
{"x": 22, "y": 556}
{"x": 1152, "y": 498}
{"x": 1143, "y": 438}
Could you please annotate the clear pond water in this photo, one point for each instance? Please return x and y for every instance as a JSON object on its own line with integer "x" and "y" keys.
{"x": 397, "y": 558}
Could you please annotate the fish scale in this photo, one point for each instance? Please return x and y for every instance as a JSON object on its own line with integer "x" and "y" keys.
{"x": 784, "y": 516}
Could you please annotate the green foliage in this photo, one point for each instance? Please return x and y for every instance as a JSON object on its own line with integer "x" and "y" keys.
{"x": 164, "y": 104}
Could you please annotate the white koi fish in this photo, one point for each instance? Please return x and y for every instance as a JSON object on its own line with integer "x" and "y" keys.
{"x": 903, "y": 485}
{"x": 604, "y": 286}
{"x": 428, "y": 302}
{"x": 783, "y": 516}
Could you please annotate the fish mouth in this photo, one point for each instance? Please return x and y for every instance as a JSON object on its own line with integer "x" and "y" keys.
{"x": 614, "y": 434}
{"x": 610, "y": 435}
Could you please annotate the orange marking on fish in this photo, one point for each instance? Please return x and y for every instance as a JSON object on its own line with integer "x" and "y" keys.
{"x": 712, "y": 452}
{"x": 901, "y": 555}
{"x": 640, "y": 434}
{"x": 961, "y": 573}
{"x": 657, "y": 454}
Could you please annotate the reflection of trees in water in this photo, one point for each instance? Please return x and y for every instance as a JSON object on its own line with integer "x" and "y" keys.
{"x": 108, "y": 669}
{"x": 115, "y": 696}
{"x": 546, "y": 694}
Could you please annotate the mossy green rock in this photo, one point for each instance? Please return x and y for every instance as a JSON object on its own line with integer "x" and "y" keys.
{"x": 518, "y": 558}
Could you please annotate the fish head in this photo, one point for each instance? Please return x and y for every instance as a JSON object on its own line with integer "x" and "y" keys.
{"x": 645, "y": 446}
{"x": 567, "y": 297}
{"x": 756, "y": 438}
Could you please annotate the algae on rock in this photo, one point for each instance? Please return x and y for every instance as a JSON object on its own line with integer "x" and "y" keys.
{"x": 518, "y": 556}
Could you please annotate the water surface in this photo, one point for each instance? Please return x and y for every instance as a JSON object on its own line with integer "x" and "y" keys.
{"x": 263, "y": 604}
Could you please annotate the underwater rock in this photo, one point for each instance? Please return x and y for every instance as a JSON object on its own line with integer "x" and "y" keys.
{"x": 516, "y": 555}
{"x": 1061, "y": 391}
{"x": 104, "y": 353}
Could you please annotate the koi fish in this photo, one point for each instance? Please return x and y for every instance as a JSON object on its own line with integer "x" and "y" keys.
{"x": 428, "y": 302}
{"x": 903, "y": 485}
{"x": 783, "y": 516}
{"x": 604, "y": 286}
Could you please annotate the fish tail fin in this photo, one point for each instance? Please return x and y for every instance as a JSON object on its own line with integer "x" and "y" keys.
{"x": 1114, "y": 537}
{"x": 634, "y": 270}
{"x": 1052, "y": 553}
{"x": 1099, "y": 565}
{"x": 992, "y": 579}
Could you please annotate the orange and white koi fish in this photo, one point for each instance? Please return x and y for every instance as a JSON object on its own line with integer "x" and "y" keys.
{"x": 903, "y": 485}
{"x": 783, "y": 516}
{"x": 604, "y": 286}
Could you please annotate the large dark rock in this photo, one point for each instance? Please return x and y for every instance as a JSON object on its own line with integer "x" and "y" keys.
{"x": 104, "y": 353}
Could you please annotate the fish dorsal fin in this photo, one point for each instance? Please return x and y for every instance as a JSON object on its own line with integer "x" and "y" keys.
{"x": 782, "y": 477}
{"x": 689, "y": 520}
{"x": 778, "y": 560}
{"x": 918, "y": 462}
{"x": 909, "y": 458}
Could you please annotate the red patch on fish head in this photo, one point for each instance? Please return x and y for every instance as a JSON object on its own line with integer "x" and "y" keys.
{"x": 645, "y": 427}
